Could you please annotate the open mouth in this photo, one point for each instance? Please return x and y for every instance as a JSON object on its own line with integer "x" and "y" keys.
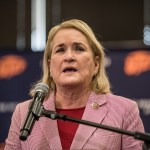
{"x": 69, "y": 70}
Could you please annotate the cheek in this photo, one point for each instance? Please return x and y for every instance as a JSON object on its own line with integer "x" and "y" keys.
{"x": 51, "y": 65}
{"x": 88, "y": 65}
{"x": 54, "y": 66}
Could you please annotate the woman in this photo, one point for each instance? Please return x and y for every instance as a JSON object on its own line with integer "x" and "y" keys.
{"x": 73, "y": 67}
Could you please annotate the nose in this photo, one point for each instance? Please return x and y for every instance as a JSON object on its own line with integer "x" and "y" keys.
{"x": 69, "y": 56}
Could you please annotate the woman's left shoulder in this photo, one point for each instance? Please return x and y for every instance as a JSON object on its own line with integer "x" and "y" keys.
{"x": 120, "y": 100}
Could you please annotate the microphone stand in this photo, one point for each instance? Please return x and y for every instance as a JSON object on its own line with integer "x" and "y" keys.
{"x": 137, "y": 135}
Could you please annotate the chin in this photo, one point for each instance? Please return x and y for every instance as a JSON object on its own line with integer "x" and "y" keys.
{"x": 71, "y": 83}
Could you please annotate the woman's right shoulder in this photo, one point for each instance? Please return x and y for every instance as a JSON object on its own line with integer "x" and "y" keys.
{"x": 20, "y": 111}
{"x": 22, "y": 107}
{"x": 24, "y": 104}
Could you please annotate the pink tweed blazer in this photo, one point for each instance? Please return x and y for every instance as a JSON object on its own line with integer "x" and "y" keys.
{"x": 113, "y": 111}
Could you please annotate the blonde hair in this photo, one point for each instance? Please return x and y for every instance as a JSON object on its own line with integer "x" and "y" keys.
{"x": 100, "y": 82}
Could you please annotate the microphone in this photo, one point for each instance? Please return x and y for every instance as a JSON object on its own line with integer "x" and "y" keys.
{"x": 35, "y": 110}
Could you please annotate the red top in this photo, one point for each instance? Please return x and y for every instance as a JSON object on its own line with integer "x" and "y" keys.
{"x": 67, "y": 129}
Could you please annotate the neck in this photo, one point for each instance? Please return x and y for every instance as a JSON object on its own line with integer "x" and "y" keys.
{"x": 72, "y": 98}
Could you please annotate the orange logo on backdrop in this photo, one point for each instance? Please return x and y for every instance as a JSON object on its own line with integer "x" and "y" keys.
{"x": 137, "y": 62}
{"x": 11, "y": 65}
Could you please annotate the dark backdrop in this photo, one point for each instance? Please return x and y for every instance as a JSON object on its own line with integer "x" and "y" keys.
{"x": 129, "y": 75}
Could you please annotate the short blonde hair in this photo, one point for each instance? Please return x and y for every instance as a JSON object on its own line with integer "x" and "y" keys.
{"x": 100, "y": 82}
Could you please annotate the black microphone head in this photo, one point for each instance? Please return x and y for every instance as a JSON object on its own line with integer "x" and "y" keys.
{"x": 43, "y": 87}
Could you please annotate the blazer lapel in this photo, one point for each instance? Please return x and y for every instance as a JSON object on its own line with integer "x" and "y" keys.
{"x": 49, "y": 126}
{"x": 93, "y": 113}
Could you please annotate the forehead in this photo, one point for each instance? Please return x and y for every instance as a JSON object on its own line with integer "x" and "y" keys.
{"x": 69, "y": 34}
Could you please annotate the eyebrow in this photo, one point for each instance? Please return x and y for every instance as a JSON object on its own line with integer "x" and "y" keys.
{"x": 59, "y": 45}
{"x": 78, "y": 43}
{"x": 75, "y": 43}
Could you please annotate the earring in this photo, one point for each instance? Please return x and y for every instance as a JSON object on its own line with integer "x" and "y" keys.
{"x": 96, "y": 75}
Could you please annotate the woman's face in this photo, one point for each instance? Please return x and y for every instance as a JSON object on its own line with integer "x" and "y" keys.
{"x": 72, "y": 63}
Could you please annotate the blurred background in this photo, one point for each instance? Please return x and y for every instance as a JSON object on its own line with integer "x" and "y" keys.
{"x": 123, "y": 27}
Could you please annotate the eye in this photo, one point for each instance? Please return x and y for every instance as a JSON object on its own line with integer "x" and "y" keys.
{"x": 79, "y": 48}
{"x": 60, "y": 49}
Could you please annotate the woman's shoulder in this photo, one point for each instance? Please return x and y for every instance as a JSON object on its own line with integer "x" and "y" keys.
{"x": 24, "y": 104}
{"x": 111, "y": 98}
{"x": 121, "y": 103}
{"x": 22, "y": 108}
{"x": 119, "y": 99}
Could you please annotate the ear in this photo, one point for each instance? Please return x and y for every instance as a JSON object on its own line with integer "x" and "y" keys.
{"x": 97, "y": 64}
